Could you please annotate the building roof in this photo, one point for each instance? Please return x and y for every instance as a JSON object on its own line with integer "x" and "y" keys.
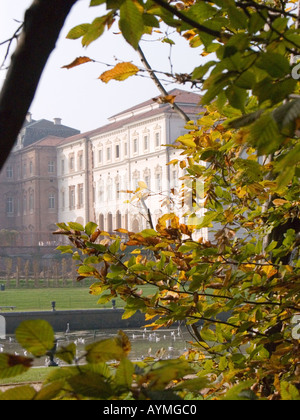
{"x": 182, "y": 97}
{"x": 49, "y": 141}
{"x": 188, "y": 102}
{"x": 34, "y": 131}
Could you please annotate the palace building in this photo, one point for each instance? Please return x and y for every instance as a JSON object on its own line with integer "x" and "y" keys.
{"x": 61, "y": 175}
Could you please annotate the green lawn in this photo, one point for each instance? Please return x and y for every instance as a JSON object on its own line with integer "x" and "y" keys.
{"x": 33, "y": 375}
{"x": 65, "y": 298}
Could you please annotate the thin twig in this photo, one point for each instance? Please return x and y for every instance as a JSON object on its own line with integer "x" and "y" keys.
{"x": 157, "y": 82}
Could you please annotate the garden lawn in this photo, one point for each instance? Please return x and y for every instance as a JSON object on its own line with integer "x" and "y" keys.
{"x": 65, "y": 298}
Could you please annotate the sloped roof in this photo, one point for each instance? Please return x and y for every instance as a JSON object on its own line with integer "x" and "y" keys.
{"x": 188, "y": 102}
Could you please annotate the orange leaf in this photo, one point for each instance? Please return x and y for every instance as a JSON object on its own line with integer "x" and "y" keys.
{"x": 120, "y": 72}
{"x": 279, "y": 202}
{"x": 77, "y": 62}
{"x": 165, "y": 99}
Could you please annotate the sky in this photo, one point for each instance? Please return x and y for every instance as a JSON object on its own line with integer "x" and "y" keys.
{"x": 77, "y": 96}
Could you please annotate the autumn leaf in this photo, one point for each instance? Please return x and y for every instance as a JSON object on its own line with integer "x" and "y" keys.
{"x": 120, "y": 72}
{"x": 279, "y": 202}
{"x": 78, "y": 62}
{"x": 168, "y": 99}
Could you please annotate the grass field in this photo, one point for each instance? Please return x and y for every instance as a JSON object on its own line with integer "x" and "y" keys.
{"x": 65, "y": 298}
{"x": 33, "y": 375}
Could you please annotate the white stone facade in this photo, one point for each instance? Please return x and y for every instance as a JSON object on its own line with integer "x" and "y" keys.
{"x": 95, "y": 168}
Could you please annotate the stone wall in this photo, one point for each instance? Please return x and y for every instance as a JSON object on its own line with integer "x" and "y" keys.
{"x": 80, "y": 320}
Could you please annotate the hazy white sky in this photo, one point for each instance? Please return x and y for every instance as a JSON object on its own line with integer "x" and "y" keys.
{"x": 76, "y": 95}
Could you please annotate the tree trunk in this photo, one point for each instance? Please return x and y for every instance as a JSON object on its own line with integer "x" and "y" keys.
{"x": 43, "y": 23}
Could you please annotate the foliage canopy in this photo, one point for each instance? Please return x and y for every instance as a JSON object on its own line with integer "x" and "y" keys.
{"x": 239, "y": 293}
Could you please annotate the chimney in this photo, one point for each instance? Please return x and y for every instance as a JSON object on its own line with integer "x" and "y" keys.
{"x": 57, "y": 121}
{"x": 29, "y": 117}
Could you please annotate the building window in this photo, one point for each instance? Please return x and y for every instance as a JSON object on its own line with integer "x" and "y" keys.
{"x": 51, "y": 167}
{"x": 63, "y": 200}
{"x": 25, "y": 203}
{"x": 108, "y": 154}
{"x": 31, "y": 168}
{"x": 135, "y": 146}
{"x": 9, "y": 205}
{"x": 80, "y": 196}
{"x": 72, "y": 198}
{"x": 9, "y": 172}
{"x": 174, "y": 179}
{"x": 117, "y": 151}
{"x": 31, "y": 201}
{"x": 146, "y": 142}
{"x": 72, "y": 163}
{"x": 158, "y": 182}
{"x": 101, "y": 192}
{"x": 109, "y": 190}
{"x": 51, "y": 201}
{"x": 148, "y": 182}
{"x": 157, "y": 140}
{"x": 117, "y": 191}
{"x": 80, "y": 161}
{"x": 62, "y": 167}
{"x": 100, "y": 156}
{"x": 24, "y": 169}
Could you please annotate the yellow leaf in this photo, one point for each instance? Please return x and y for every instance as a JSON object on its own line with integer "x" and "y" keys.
{"x": 77, "y": 62}
{"x": 165, "y": 99}
{"x": 173, "y": 162}
{"x": 279, "y": 202}
{"x": 120, "y": 72}
{"x": 143, "y": 185}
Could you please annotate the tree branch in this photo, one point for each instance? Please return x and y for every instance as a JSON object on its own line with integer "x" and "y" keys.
{"x": 186, "y": 19}
{"x": 160, "y": 87}
{"x": 43, "y": 23}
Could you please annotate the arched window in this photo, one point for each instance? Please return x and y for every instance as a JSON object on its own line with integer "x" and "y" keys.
{"x": 110, "y": 223}
{"x": 135, "y": 226}
{"x": 101, "y": 222}
{"x": 119, "y": 220}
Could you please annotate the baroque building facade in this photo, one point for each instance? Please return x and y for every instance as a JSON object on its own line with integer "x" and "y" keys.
{"x": 88, "y": 176}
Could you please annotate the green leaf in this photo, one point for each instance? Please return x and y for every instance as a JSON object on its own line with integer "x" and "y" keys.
{"x": 91, "y": 385}
{"x": 67, "y": 354}
{"x": 35, "y": 336}
{"x": 289, "y": 392}
{"x": 208, "y": 335}
{"x": 112, "y": 349}
{"x": 51, "y": 391}
{"x": 97, "y": 2}
{"x": 124, "y": 374}
{"x": 11, "y": 365}
{"x": 76, "y": 226}
{"x": 149, "y": 233}
{"x": 98, "y": 247}
{"x": 206, "y": 221}
{"x": 131, "y": 22}
{"x": 95, "y": 30}
{"x": 78, "y": 31}
{"x": 241, "y": 392}
{"x": 245, "y": 120}
{"x": 65, "y": 249}
{"x": 90, "y": 228}
{"x": 114, "y": 248}
{"x": 276, "y": 65}
{"x": 237, "y": 97}
{"x": 264, "y": 135}
{"x": 287, "y": 113}
{"x": 21, "y": 393}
